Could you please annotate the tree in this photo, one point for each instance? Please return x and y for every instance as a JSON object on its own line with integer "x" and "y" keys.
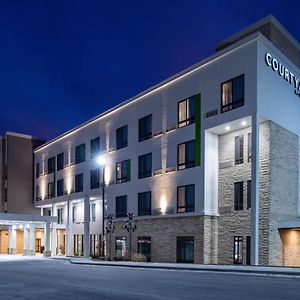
{"x": 130, "y": 226}
{"x": 110, "y": 228}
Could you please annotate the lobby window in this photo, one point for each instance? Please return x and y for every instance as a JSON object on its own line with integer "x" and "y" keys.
{"x": 144, "y": 247}
{"x": 120, "y": 246}
{"x": 93, "y": 212}
{"x": 144, "y": 204}
{"x": 51, "y": 190}
{"x": 37, "y": 193}
{"x": 238, "y": 195}
{"x": 60, "y": 212}
{"x": 238, "y": 250}
{"x": 185, "y": 249}
{"x": 239, "y": 149}
{"x": 232, "y": 94}
{"x": 145, "y": 128}
{"x": 249, "y": 146}
{"x": 79, "y": 183}
{"x": 121, "y": 206}
{"x": 37, "y": 170}
{"x": 95, "y": 147}
{"x": 60, "y": 187}
{"x": 95, "y": 240}
{"x": 145, "y": 165}
{"x": 186, "y": 155}
{"x": 186, "y": 112}
{"x": 248, "y": 194}
{"x": 122, "y": 137}
{"x": 123, "y": 171}
{"x": 95, "y": 179}
{"x": 248, "y": 250}
{"x": 51, "y": 165}
{"x": 186, "y": 198}
{"x": 78, "y": 244}
{"x": 60, "y": 161}
{"x": 80, "y": 154}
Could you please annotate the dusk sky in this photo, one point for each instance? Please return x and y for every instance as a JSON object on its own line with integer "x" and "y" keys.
{"x": 63, "y": 62}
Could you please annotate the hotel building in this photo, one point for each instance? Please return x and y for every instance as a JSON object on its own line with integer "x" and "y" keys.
{"x": 207, "y": 161}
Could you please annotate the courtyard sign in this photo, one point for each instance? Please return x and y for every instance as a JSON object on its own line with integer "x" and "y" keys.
{"x": 283, "y": 72}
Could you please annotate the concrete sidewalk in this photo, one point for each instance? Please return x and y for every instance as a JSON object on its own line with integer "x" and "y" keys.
{"x": 191, "y": 267}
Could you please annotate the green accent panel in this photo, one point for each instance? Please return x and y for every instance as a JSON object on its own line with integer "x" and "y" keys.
{"x": 197, "y": 130}
{"x": 129, "y": 168}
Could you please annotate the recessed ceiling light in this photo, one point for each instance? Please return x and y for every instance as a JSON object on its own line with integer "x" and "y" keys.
{"x": 227, "y": 128}
{"x": 244, "y": 123}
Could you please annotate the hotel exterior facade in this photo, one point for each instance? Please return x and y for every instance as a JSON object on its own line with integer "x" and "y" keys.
{"x": 207, "y": 161}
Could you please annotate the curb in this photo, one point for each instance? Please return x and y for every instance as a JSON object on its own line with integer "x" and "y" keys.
{"x": 209, "y": 268}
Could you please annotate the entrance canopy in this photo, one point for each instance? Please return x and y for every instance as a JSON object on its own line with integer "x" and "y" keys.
{"x": 23, "y": 219}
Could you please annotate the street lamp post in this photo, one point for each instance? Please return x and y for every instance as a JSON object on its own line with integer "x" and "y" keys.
{"x": 101, "y": 162}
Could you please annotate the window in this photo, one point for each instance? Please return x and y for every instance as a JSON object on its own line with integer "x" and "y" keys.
{"x": 79, "y": 183}
{"x": 239, "y": 149}
{"x": 51, "y": 192}
{"x": 186, "y": 155}
{"x": 48, "y": 212}
{"x": 37, "y": 170}
{"x": 120, "y": 246}
{"x": 80, "y": 154}
{"x": 249, "y": 146}
{"x": 95, "y": 179}
{"x": 186, "y": 198}
{"x": 95, "y": 147}
{"x": 60, "y": 187}
{"x": 60, "y": 161}
{"x": 144, "y": 204}
{"x": 185, "y": 249}
{"x": 144, "y": 247}
{"x": 145, "y": 128}
{"x": 74, "y": 213}
{"x": 145, "y": 165}
{"x": 186, "y": 112}
{"x": 232, "y": 94}
{"x": 248, "y": 194}
{"x": 78, "y": 244}
{"x": 60, "y": 212}
{"x": 95, "y": 243}
{"x": 248, "y": 250}
{"x": 122, "y": 137}
{"x": 121, "y": 206}
{"x": 51, "y": 165}
{"x": 37, "y": 193}
{"x": 123, "y": 171}
{"x": 93, "y": 212}
{"x": 238, "y": 250}
{"x": 238, "y": 195}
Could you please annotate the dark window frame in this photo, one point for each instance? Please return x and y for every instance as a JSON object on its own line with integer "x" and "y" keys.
{"x": 249, "y": 146}
{"x": 123, "y": 143}
{"x": 123, "y": 213}
{"x": 51, "y": 165}
{"x": 147, "y": 173}
{"x": 186, "y": 164}
{"x": 95, "y": 147}
{"x": 80, "y": 157}
{"x": 144, "y": 212}
{"x": 184, "y": 240}
{"x": 235, "y": 103}
{"x": 188, "y": 120}
{"x": 37, "y": 170}
{"x": 49, "y": 189}
{"x": 60, "y": 161}
{"x": 147, "y": 135}
{"x": 95, "y": 182}
{"x": 126, "y": 178}
{"x": 248, "y": 194}
{"x": 239, "y": 149}
{"x": 238, "y": 250}
{"x": 142, "y": 243}
{"x": 187, "y": 208}
{"x": 238, "y": 201}
{"x": 79, "y": 188}
{"x": 60, "y": 192}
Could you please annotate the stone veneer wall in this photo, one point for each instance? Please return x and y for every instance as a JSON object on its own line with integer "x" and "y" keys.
{"x": 232, "y": 223}
{"x": 283, "y": 187}
{"x": 163, "y": 232}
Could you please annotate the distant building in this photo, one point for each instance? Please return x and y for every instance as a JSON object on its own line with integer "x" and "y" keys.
{"x": 207, "y": 160}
